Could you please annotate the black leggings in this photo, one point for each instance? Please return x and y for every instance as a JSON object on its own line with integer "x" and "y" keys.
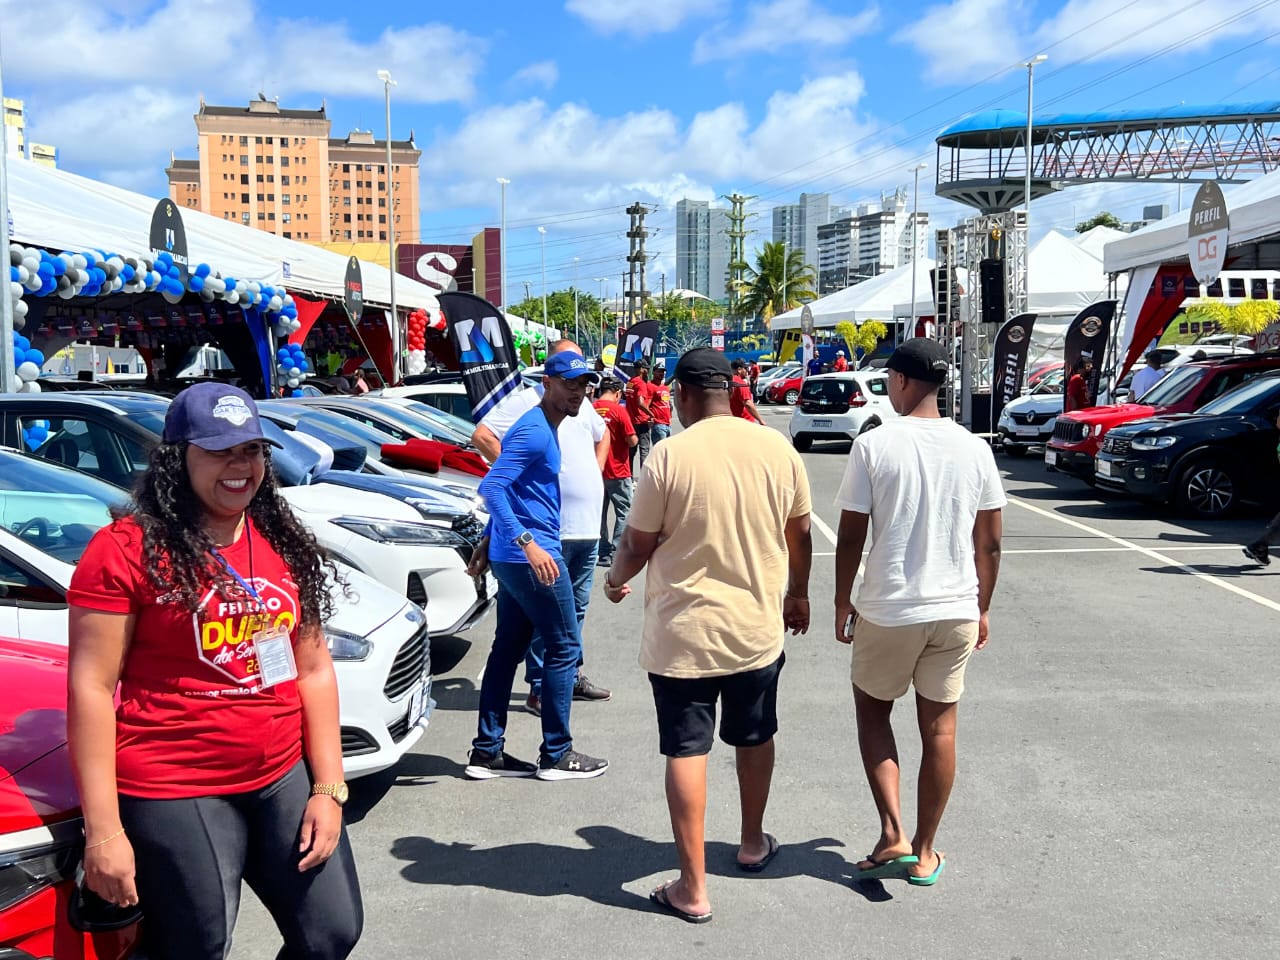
{"x": 192, "y": 855}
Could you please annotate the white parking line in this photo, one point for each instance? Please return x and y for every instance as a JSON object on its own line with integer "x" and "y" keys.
{"x": 825, "y": 530}
{"x": 1153, "y": 554}
{"x": 1209, "y": 546}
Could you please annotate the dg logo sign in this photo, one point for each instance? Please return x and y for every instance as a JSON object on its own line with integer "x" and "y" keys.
{"x": 1208, "y": 231}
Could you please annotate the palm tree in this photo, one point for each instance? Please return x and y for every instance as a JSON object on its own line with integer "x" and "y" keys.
{"x": 770, "y": 288}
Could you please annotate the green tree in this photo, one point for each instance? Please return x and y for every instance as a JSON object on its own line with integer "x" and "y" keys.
{"x": 778, "y": 282}
{"x": 1104, "y": 219}
{"x": 560, "y": 315}
{"x": 865, "y": 337}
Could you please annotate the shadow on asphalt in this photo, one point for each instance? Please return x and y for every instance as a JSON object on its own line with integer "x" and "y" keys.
{"x": 1223, "y": 571}
{"x": 447, "y": 653}
{"x": 611, "y": 860}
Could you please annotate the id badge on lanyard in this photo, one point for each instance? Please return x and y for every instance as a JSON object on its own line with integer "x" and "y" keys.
{"x": 272, "y": 646}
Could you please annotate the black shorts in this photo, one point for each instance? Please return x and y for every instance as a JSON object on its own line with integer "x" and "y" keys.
{"x": 687, "y": 710}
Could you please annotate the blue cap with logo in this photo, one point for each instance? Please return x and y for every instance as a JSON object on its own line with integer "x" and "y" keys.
{"x": 213, "y": 416}
{"x": 570, "y": 366}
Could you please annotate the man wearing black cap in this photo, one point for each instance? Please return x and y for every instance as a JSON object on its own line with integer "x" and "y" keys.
{"x": 1150, "y": 375}
{"x": 931, "y": 490}
{"x": 721, "y": 519}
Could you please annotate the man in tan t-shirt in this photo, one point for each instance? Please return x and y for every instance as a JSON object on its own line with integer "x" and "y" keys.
{"x": 721, "y": 518}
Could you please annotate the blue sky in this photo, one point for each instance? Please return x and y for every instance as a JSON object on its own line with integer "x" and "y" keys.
{"x": 589, "y": 105}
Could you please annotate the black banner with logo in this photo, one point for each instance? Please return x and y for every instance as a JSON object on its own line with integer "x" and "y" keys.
{"x": 1087, "y": 337}
{"x": 168, "y": 235}
{"x": 353, "y": 291}
{"x": 1012, "y": 343}
{"x": 482, "y": 341}
{"x": 637, "y": 344}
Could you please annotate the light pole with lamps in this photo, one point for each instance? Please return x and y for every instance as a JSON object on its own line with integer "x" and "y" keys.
{"x": 915, "y": 242}
{"x": 542, "y": 242}
{"x": 502, "y": 241}
{"x": 1026, "y": 187}
{"x": 576, "y": 331}
{"x": 602, "y": 281}
{"x": 387, "y": 84}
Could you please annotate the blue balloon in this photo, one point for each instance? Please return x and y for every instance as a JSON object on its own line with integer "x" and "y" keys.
{"x": 203, "y": 270}
{"x": 196, "y": 283}
{"x": 304, "y": 366}
{"x": 20, "y": 343}
{"x": 59, "y": 266}
{"x": 295, "y": 393}
{"x": 230, "y": 282}
{"x": 13, "y": 274}
{"x": 128, "y": 273}
{"x": 36, "y": 357}
{"x": 90, "y": 258}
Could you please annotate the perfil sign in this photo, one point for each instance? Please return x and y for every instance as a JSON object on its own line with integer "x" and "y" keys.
{"x": 806, "y": 321}
{"x": 1207, "y": 233}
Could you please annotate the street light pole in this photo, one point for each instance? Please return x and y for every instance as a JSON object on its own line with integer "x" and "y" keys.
{"x": 387, "y": 84}
{"x": 1026, "y": 188}
{"x": 576, "y": 331}
{"x": 502, "y": 242}
{"x": 542, "y": 242}
{"x": 915, "y": 243}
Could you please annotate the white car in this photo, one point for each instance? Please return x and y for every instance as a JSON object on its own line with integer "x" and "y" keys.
{"x": 379, "y": 641}
{"x": 839, "y": 406}
{"x": 1027, "y": 420}
{"x": 449, "y": 397}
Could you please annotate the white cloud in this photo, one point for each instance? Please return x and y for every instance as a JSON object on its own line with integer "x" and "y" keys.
{"x": 641, "y": 17}
{"x": 543, "y": 74}
{"x": 947, "y": 38}
{"x": 782, "y": 23}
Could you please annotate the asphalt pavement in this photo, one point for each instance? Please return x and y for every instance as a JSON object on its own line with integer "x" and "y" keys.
{"x": 1116, "y": 797}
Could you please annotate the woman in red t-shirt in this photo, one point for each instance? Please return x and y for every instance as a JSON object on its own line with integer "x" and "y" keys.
{"x": 204, "y": 605}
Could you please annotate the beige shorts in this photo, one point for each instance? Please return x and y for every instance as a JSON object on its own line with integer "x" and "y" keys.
{"x": 887, "y": 660}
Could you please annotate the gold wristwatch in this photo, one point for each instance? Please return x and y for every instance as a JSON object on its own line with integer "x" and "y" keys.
{"x": 336, "y": 790}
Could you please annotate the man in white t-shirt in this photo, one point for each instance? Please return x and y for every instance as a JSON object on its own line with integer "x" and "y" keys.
{"x": 1150, "y": 375}
{"x": 932, "y": 493}
{"x": 584, "y": 445}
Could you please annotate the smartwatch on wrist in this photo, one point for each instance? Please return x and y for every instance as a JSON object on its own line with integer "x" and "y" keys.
{"x": 524, "y": 539}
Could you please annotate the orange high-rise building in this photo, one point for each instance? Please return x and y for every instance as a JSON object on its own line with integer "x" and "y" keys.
{"x": 279, "y": 170}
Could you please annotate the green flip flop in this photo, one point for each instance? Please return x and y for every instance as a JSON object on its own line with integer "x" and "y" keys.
{"x": 882, "y": 869}
{"x": 932, "y": 878}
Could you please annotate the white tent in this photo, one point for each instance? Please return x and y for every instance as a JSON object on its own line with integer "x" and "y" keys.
{"x": 872, "y": 299}
{"x": 1065, "y": 277}
{"x": 1253, "y": 209}
{"x": 58, "y": 210}
{"x": 1093, "y": 241}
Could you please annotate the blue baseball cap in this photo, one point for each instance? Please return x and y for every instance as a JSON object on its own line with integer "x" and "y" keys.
{"x": 570, "y": 366}
{"x": 213, "y": 416}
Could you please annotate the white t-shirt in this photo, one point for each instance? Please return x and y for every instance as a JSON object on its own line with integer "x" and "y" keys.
{"x": 581, "y": 482}
{"x": 923, "y": 482}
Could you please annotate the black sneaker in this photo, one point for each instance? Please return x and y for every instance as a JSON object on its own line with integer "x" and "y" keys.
{"x": 533, "y": 703}
{"x": 572, "y": 766}
{"x": 490, "y": 766}
{"x": 584, "y": 689}
{"x": 603, "y": 561}
{"x": 1258, "y": 553}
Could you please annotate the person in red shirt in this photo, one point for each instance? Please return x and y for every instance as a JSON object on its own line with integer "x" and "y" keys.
{"x": 638, "y": 397}
{"x": 1077, "y": 396}
{"x": 617, "y": 466}
{"x": 754, "y": 369}
{"x": 841, "y": 364}
{"x": 660, "y": 403}
{"x": 740, "y": 401}
{"x": 204, "y": 604}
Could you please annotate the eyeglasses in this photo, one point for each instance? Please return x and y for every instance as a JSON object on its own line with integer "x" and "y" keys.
{"x": 576, "y": 383}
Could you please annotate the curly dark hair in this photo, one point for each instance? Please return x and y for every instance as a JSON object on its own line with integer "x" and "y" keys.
{"x": 179, "y": 554}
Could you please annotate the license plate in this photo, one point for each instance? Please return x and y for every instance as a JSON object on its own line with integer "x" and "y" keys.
{"x": 417, "y": 703}
{"x": 1027, "y": 431}
{"x": 1102, "y": 467}
{"x": 1051, "y": 457}
{"x": 822, "y": 423}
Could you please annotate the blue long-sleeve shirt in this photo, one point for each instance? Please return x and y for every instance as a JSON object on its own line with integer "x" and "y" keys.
{"x": 522, "y": 489}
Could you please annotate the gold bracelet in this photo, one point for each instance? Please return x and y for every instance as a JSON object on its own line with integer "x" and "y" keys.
{"x": 118, "y": 833}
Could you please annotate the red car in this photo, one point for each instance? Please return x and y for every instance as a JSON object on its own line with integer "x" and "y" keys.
{"x": 1077, "y": 436}
{"x": 40, "y": 827}
{"x": 785, "y": 390}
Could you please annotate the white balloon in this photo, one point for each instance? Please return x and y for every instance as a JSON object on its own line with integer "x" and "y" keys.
{"x": 23, "y": 274}
{"x": 15, "y": 289}
{"x": 28, "y": 370}
{"x": 20, "y": 310}
{"x": 293, "y": 382}
{"x": 275, "y": 304}
{"x": 31, "y": 263}
{"x": 30, "y": 386}
{"x": 66, "y": 293}
{"x": 80, "y": 260}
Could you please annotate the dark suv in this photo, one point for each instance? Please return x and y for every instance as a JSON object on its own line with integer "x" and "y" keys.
{"x": 1206, "y": 463}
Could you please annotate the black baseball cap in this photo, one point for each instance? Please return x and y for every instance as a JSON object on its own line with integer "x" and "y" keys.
{"x": 921, "y": 359}
{"x": 213, "y": 416}
{"x": 608, "y": 384}
{"x": 704, "y": 368}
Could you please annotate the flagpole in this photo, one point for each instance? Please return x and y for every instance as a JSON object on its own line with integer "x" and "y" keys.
{"x": 8, "y": 376}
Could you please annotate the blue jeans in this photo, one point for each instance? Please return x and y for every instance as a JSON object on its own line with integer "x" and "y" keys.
{"x": 660, "y": 432}
{"x": 618, "y": 494}
{"x": 580, "y": 559}
{"x": 526, "y": 606}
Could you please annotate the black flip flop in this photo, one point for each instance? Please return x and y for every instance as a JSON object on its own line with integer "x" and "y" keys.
{"x": 659, "y": 897}
{"x": 758, "y": 866}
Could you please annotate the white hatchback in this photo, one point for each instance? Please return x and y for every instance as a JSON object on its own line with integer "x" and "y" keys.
{"x": 839, "y": 406}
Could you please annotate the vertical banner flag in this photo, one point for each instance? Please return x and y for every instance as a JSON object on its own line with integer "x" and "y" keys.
{"x": 1208, "y": 231}
{"x": 486, "y": 354}
{"x": 169, "y": 236}
{"x": 1012, "y": 343}
{"x": 353, "y": 291}
{"x": 637, "y": 344}
{"x": 1088, "y": 336}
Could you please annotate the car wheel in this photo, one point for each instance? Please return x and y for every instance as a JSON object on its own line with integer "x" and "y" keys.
{"x": 790, "y": 397}
{"x": 869, "y": 425}
{"x": 802, "y": 443}
{"x": 1013, "y": 449}
{"x": 1206, "y": 489}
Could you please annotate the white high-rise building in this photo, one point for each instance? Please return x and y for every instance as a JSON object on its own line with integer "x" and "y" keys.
{"x": 702, "y": 248}
{"x": 870, "y": 242}
{"x": 797, "y": 224}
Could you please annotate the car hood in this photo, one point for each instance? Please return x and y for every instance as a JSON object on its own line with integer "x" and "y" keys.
{"x": 365, "y": 605}
{"x": 1173, "y": 422}
{"x": 327, "y": 500}
{"x": 1113, "y": 413}
{"x": 400, "y": 488}
{"x": 1038, "y": 403}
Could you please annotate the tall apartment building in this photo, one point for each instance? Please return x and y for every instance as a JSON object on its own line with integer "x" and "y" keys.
{"x": 16, "y": 143}
{"x": 279, "y": 170}
{"x": 797, "y": 224}
{"x": 702, "y": 248}
{"x": 870, "y": 242}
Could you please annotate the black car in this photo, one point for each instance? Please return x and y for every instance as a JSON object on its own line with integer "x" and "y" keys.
{"x": 1206, "y": 463}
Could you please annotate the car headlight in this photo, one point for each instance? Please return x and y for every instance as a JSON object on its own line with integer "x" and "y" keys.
{"x": 432, "y": 509}
{"x": 25, "y": 872}
{"x": 387, "y": 531}
{"x": 1005, "y": 418}
{"x": 346, "y": 646}
{"x": 1153, "y": 443}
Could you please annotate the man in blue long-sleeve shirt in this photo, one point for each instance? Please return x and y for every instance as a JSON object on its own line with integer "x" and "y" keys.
{"x": 522, "y": 492}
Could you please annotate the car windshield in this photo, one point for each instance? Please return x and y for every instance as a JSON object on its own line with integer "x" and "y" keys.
{"x": 448, "y": 421}
{"x": 1175, "y": 387}
{"x": 55, "y": 509}
{"x": 1257, "y": 394}
{"x": 403, "y": 422}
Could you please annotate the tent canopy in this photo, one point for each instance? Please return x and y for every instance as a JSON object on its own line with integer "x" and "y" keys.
{"x": 872, "y": 299}
{"x": 58, "y": 210}
{"x": 1253, "y": 209}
